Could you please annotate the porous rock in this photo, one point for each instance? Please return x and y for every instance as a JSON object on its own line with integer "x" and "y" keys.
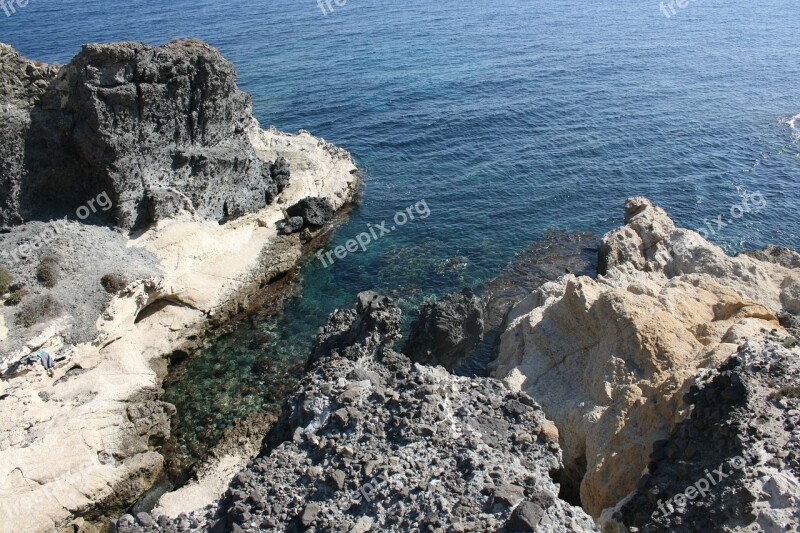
{"x": 421, "y": 449}
{"x": 446, "y": 330}
{"x": 133, "y": 121}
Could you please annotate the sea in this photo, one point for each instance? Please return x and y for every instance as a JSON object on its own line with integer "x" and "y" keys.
{"x": 503, "y": 119}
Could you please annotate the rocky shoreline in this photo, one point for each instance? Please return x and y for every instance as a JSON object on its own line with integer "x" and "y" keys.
{"x": 621, "y": 375}
{"x": 187, "y": 258}
{"x": 373, "y": 441}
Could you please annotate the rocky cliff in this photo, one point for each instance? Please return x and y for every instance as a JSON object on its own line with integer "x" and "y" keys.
{"x": 149, "y": 126}
{"x": 609, "y": 359}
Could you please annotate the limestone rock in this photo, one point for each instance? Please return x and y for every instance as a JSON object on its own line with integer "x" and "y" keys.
{"x": 610, "y": 358}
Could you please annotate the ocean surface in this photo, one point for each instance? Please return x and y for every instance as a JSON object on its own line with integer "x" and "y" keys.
{"x": 506, "y": 118}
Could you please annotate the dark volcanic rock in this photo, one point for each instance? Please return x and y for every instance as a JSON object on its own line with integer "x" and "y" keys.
{"x": 276, "y": 177}
{"x": 736, "y": 459}
{"x": 315, "y": 211}
{"x": 446, "y": 330}
{"x": 164, "y": 203}
{"x": 371, "y": 441}
{"x": 776, "y": 254}
{"x": 133, "y": 121}
{"x": 293, "y": 225}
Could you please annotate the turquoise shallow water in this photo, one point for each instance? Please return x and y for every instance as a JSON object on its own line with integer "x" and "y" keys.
{"x": 507, "y": 117}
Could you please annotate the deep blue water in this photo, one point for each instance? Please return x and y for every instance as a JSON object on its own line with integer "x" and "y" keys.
{"x": 507, "y": 117}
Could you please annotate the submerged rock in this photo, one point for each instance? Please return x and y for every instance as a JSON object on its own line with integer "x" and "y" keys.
{"x": 372, "y": 442}
{"x": 446, "y": 330}
{"x": 609, "y": 359}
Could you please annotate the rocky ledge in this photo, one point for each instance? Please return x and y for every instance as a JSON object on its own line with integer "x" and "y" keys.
{"x": 160, "y": 140}
{"x": 372, "y": 441}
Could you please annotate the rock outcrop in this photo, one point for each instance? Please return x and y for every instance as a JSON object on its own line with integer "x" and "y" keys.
{"x": 370, "y": 441}
{"x": 610, "y": 358}
{"x": 735, "y": 463}
{"x": 147, "y": 125}
{"x": 446, "y": 330}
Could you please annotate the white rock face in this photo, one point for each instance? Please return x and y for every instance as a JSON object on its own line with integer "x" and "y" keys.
{"x": 80, "y": 437}
{"x": 609, "y": 359}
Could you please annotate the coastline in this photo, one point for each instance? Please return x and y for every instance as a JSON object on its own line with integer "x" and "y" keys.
{"x": 102, "y": 403}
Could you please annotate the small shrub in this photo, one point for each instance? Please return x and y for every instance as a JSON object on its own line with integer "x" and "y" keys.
{"x": 5, "y": 280}
{"x": 113, "y": 283}
{"x": 38, "y": 309}
{"x": 49, "y": 271}
{"x": 16, "y": 297}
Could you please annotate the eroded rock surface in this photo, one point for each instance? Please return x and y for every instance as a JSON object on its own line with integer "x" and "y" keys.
{"x": 147, "y": 125}
{"x": 371, "y": 442}
{"x": 446, "y": 330}
{"x": 736, "y": 460}
{"x": 610, "y": 358}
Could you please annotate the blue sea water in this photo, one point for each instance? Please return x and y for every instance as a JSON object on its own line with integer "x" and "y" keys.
{"x": 506, "y": 117}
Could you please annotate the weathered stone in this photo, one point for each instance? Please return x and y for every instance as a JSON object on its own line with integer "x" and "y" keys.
{"x": 133, "y": 121}
{"x": 609, "y": 359}
{"x": 446, "y": 330}
{"x": 314, "y": 211}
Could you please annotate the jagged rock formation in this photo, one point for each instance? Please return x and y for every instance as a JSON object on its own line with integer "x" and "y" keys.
{"x": 370, "y": 441}
{"x": 446, "y": 330}
{"x": 736, "y": 460}
{"x": 609, "y": 359}
{"x": 150, "y": 126}
{"x": 552, "y": 255}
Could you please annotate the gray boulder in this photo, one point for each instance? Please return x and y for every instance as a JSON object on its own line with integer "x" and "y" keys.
{"x": 446, "y": 330}
{"x": 293, "y": 225}
{"x": 315, "y": 211}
